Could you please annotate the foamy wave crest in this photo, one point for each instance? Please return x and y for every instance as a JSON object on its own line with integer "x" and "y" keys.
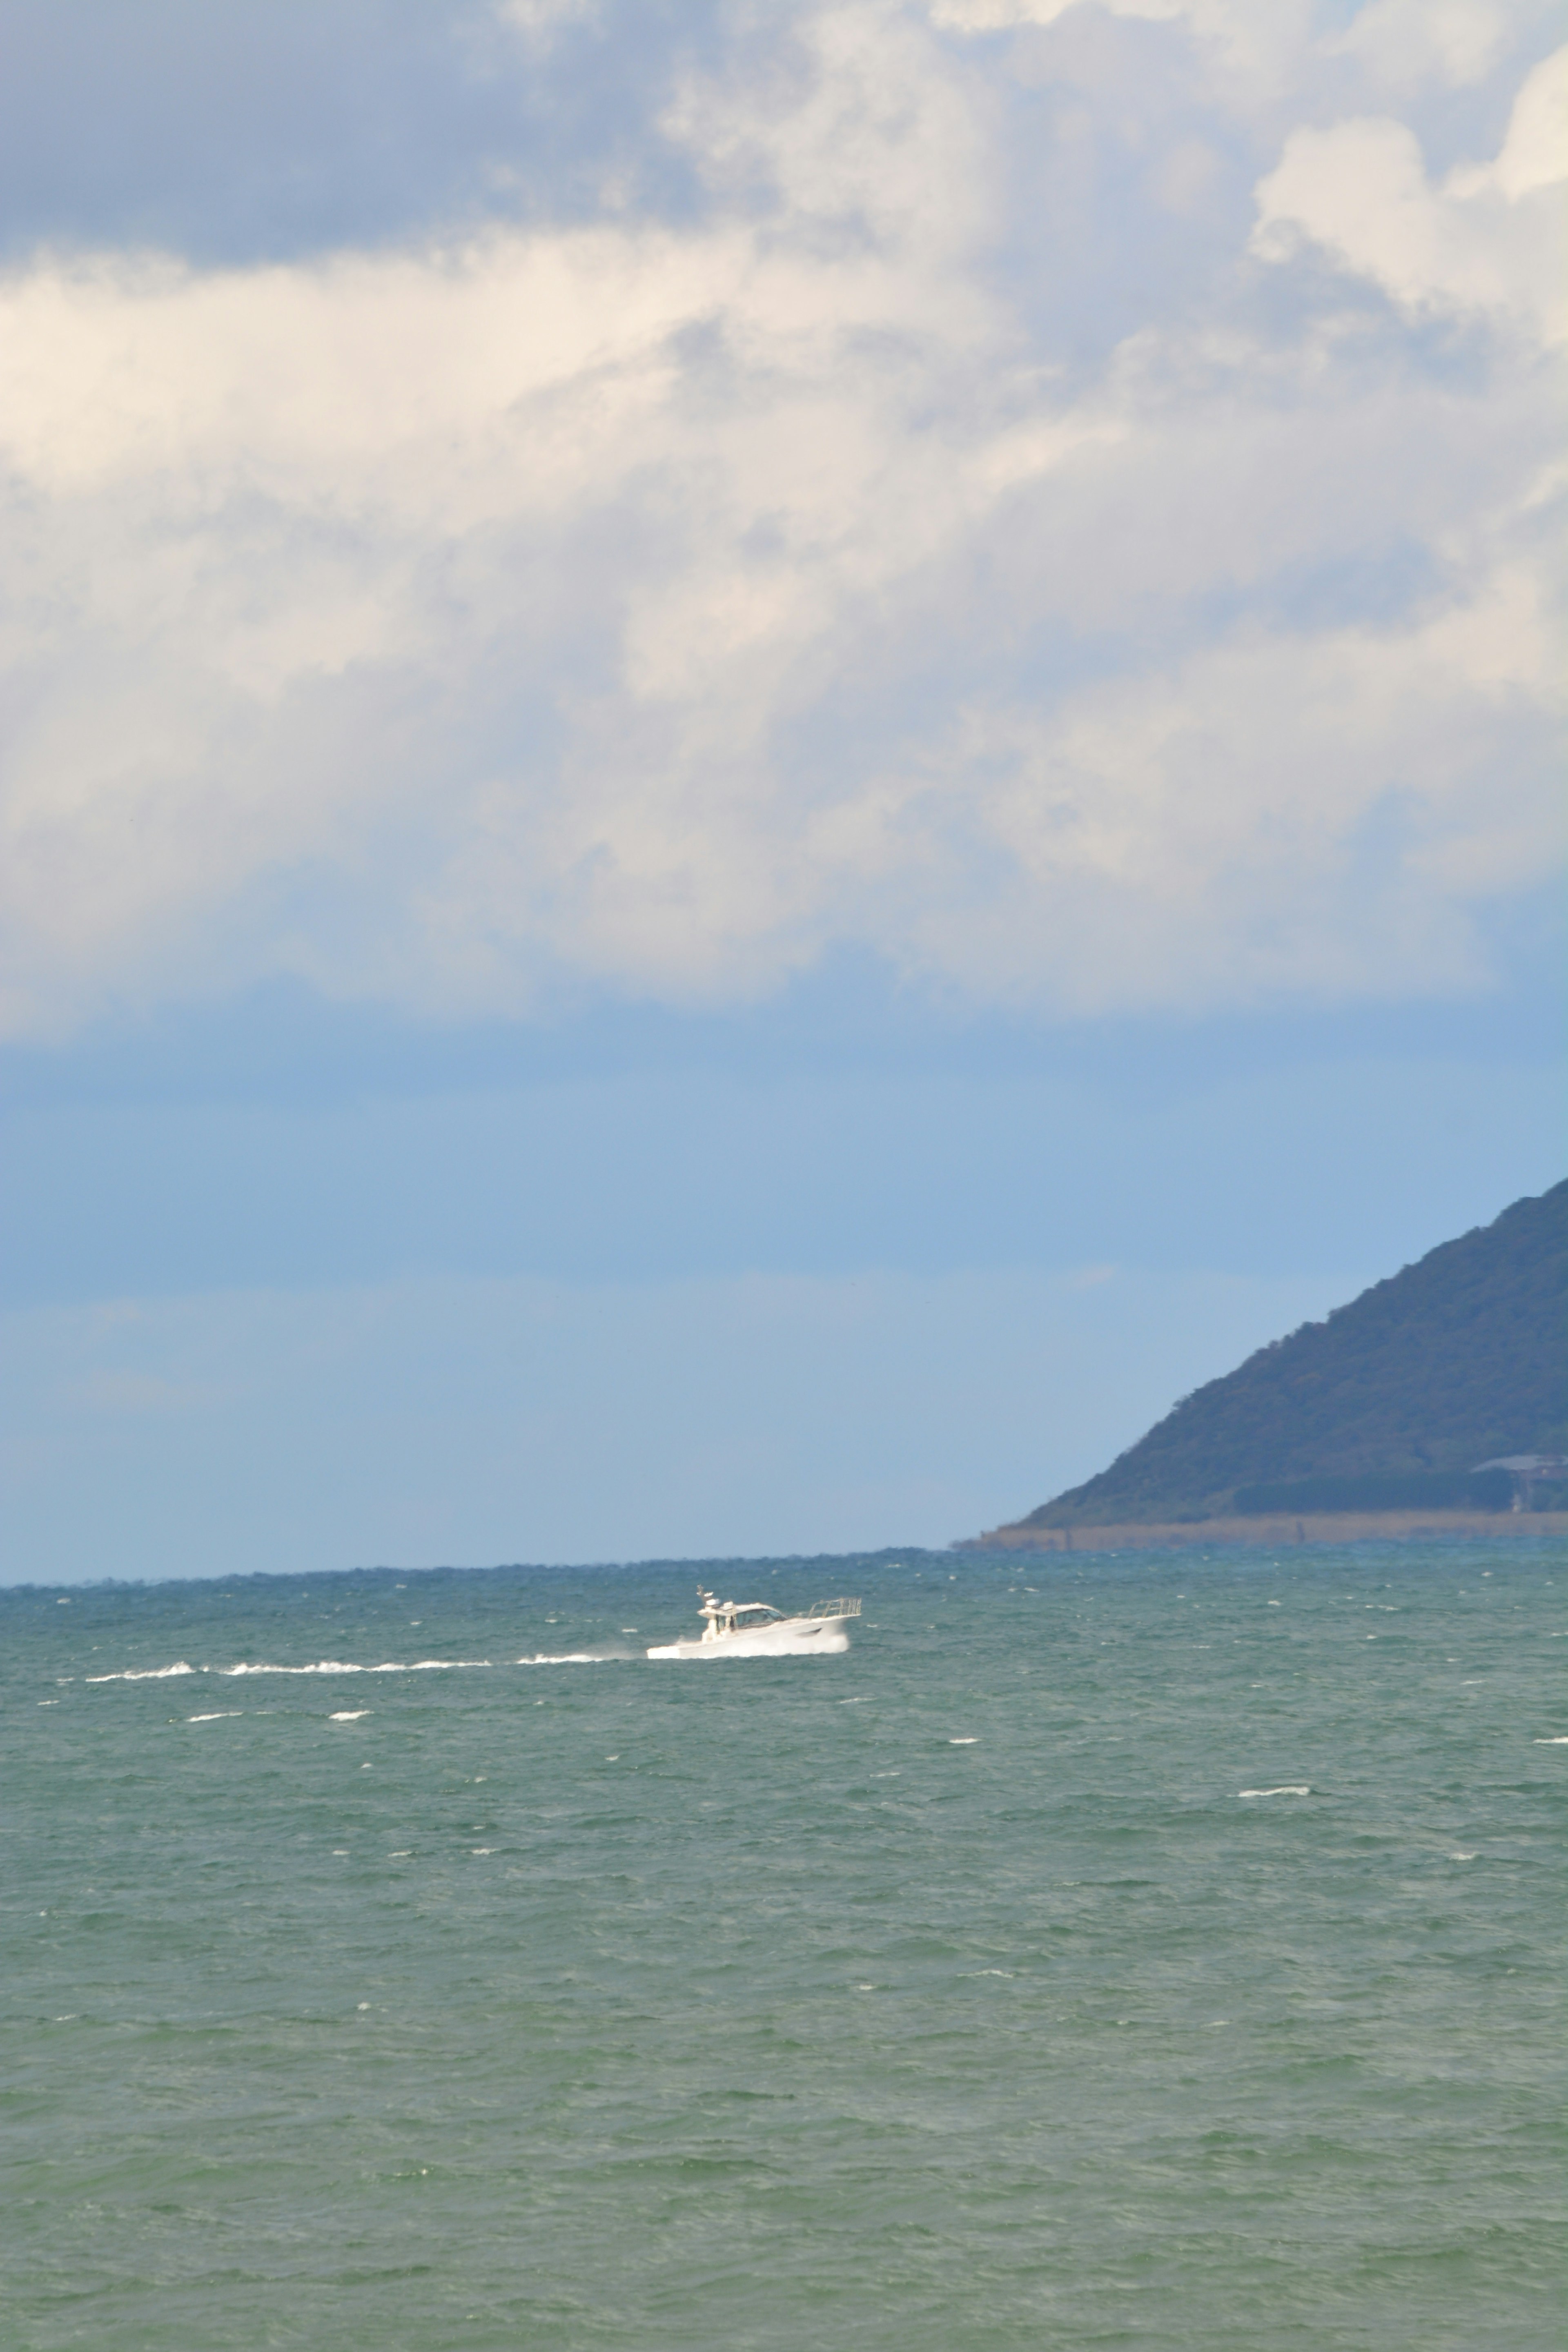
{"x": 321, "y": 1666}
{"x": 1292, "y": 1788}
{"x": 348, "y": 1666}
{"x": 572, "y": 1658}
{"x": 143, "y": 1674}
{"x": 430, "y": 1666}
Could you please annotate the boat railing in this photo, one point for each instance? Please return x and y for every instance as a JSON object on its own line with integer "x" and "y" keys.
{"x": 840, "y": 1608}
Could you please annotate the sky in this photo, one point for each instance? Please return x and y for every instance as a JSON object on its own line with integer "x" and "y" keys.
{"x": 760, "y": 764}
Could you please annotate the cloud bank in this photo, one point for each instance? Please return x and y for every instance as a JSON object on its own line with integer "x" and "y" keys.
{"x": 1072, "y": 511}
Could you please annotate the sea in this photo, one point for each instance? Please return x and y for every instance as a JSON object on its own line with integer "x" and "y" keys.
{"x": 1152, "y": 1949}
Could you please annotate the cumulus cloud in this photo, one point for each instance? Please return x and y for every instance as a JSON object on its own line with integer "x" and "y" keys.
{"x": 1488, "y": 240}
{"x": 658, "y": 603}
{"x": 1406, "y": 42}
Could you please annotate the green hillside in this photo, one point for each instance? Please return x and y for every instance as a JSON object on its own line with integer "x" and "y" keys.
{"x": 1391, "y": 1400}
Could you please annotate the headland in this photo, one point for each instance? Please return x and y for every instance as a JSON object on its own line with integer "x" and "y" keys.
{"x": 1436, "y": 1403}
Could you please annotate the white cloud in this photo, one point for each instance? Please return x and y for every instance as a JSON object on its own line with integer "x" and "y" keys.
{"x": 1243, "y": 48}
{"x": 657, "y": 606}
{"x": 1535, "y": 153}
{"x": 1488, "y": 239}
{"x": 1219, "y": 814}
{"x": 1405, "y": 41}
{"x": 539, "y": 19}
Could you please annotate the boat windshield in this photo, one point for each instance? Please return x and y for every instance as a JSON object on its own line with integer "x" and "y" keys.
{"x": 756, "y": 1613}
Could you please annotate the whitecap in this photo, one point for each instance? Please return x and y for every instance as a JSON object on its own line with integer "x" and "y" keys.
{"x": 349, "y": 1715}
{"x": 223, "y": 1715}
{"x": 963, "y": 1743}
{"x": 145, "y": 1675}
{"x": 321, "y": 1666}
{"x": 349, "y": 1666}
{"x": 1292, "y": 1789}
{"x": 1558, "y": 1740}
{"x": 428, "y": 1666}
{"x": 569, "y": 1658}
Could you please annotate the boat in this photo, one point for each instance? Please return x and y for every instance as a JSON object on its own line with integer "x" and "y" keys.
{"x": 752, "y": 1629}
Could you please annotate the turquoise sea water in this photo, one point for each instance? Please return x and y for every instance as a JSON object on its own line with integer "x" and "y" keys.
{"x": 1149, "y": 1951}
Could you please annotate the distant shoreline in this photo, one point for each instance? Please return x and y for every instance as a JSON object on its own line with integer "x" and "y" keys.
{"x": 1306, "y": 1528}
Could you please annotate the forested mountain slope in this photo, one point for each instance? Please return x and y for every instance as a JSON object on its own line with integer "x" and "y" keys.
{"x": 1459, "y": 1358}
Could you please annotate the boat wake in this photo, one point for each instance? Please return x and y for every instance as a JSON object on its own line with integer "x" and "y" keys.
{"x": 146, "y": 1673}
{"x": 575, "y": 1658}
{"x": 335, "y": 1666}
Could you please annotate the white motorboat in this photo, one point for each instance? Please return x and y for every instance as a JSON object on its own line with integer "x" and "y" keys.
{"x": 750, "y": 1629}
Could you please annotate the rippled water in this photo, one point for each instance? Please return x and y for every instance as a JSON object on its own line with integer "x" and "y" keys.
{"x": 1149, "y": 1951}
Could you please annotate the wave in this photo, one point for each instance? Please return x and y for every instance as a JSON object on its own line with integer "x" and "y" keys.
{"x": 347, "y": 1667}
{"x": 145, "y": 1673}
{"x": 573, "y": 1658}
{"x": 353, "y": 1666}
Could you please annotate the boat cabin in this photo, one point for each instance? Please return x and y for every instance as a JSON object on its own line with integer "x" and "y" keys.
{"x": 736, "y": 1616}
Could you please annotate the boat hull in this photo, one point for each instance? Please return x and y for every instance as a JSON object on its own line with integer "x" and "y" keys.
{"x": 793, "y": 1637}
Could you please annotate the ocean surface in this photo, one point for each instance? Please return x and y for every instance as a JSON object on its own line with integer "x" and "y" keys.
{"x": 1151, "y": 1950}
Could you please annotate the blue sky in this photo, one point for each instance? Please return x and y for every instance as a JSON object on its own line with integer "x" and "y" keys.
{"x": 759, "y": 765}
